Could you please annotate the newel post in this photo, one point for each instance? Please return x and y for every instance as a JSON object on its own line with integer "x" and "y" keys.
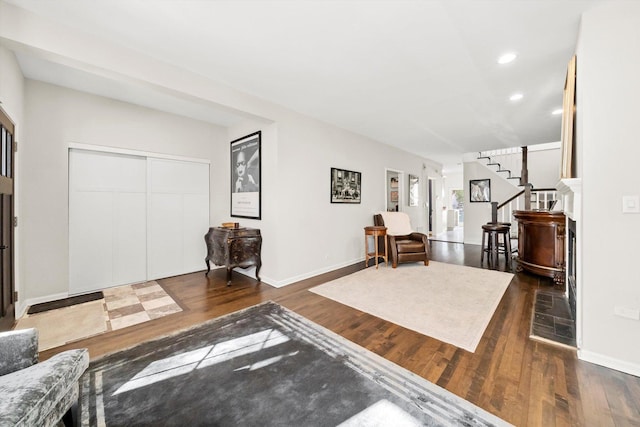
{"x": 494, "y": 212}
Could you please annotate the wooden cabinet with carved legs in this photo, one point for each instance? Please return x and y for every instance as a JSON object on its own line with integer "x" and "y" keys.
{"x": 234, "y": 247}
{"x": 541, "y": 236}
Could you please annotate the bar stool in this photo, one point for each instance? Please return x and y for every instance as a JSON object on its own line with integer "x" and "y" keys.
{"x": 493, "y": 247}
{"x": 501, "y": 247}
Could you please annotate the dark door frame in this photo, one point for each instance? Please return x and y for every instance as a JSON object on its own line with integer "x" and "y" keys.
{"x": 7, "y": 231}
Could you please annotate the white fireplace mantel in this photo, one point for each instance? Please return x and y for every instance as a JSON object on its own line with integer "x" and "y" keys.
{"x": 570, "y": 189}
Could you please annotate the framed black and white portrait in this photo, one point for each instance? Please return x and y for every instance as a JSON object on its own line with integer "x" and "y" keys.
{"x": 346, "y": 186}
{"x": 245, "y": 177}
{"x": 480, "y": 190}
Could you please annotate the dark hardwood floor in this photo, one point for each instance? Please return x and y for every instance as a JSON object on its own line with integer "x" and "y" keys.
{"x": 525, "y": 382}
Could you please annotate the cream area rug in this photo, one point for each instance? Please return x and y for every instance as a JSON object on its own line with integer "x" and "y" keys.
{"x": 121, "y": 307}
{"x": 448, "y": 302}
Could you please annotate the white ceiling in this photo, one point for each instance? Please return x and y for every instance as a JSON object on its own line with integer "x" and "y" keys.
{"x": 420, "y": 75}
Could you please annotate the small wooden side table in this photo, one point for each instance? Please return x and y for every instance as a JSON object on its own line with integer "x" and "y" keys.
{"x": 376, "y": 231}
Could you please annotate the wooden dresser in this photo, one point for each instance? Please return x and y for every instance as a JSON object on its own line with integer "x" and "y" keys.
{"x": 234, "y": 247}
{"x": 541, "y": 236}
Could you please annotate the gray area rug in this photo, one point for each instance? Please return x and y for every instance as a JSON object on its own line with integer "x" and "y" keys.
{"x": 258, "y": 367}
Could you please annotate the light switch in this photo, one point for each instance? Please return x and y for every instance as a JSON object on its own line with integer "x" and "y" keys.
{"x": 630, "y": 204}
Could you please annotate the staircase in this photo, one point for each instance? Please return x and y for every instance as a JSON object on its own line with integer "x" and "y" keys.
{"x": 504, "y": 162}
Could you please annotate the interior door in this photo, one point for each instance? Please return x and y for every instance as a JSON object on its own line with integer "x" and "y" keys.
{"x": 7, "y": 172}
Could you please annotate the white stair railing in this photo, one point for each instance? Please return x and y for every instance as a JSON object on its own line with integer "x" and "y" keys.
{"x": 541, "y": 199}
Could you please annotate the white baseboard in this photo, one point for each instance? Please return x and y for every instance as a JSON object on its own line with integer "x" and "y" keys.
{"x": 294, "y": 279}
{"x": 610, "y": 362}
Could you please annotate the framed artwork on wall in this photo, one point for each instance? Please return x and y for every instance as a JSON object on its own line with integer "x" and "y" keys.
{"x": 414, "y": 190}
{"x": 346, "y": 186}
{"x": 246, "y": 195}
{"x": 480, "y": 190}
{"x": 568, "y": 121}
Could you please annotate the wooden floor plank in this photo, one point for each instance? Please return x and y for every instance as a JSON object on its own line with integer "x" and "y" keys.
{"x": 526, "y": 383}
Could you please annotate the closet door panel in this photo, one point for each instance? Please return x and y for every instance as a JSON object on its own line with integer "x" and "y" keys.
{"x": 130, "y": 255}
{"x": 179, "y": 216}
{"x": 195, "y": 219}
{"x": 107, "y": 220}
{"x": 165, "y": 243}
{"x": 90, "y": 242}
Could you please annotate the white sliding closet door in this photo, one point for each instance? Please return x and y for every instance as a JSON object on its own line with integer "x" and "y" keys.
{"x": 134, "y": 218}
{"x": 107, "y": 220}
{"x": 178, "y": 218}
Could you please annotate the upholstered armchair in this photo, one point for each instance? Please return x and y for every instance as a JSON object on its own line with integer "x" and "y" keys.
{"x": 37, "y": 394}
{"x": 405, "y": 244}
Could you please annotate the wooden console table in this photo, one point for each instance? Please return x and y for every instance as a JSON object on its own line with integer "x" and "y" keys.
{"x": 541, "y": 236}
{"x": 234, "y": 247}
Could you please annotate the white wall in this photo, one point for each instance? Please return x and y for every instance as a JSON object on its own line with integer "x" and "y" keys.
{"x": 11, "y": 87}
{"x": 308, "y": 234}
{"x": 295, "y": 198}
{"x": 607, "y": 111}
{"x": 56, "y": 117}
{"x": 544, "y": 167}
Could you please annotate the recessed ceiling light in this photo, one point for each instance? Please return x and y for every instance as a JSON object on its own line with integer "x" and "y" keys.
{"x": 506, "y": 58}
{"x": 516, "y": 97}
{"x": 557, "y": 111}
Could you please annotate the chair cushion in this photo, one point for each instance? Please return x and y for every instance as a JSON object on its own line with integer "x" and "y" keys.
{"x": 397, "y": 223}
{"x": 409, "y": 246}
{"x": 32, "y": 395}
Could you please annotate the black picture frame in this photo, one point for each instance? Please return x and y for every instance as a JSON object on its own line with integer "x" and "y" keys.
{"x": 246, "y": 177}
{"x": 346, "y": 186}
{"x": 480, "y": 190}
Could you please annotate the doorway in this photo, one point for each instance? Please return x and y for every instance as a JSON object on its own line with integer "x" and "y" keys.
{"x": 7, "y": 172}
{"x": 393, "y": 190}
{"x": 454, "y": 219}
{"x": 430, "y": 206}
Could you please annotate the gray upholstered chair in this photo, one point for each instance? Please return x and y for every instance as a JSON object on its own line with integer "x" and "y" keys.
{"x": 32, "y": 393}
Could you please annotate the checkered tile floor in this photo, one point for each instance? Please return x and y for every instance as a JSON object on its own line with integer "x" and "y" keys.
{"x": 132, "y": 304}
{"x": 121, "y": 307}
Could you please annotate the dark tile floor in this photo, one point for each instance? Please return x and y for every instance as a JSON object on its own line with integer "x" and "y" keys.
{"x": 552, "y": 318}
